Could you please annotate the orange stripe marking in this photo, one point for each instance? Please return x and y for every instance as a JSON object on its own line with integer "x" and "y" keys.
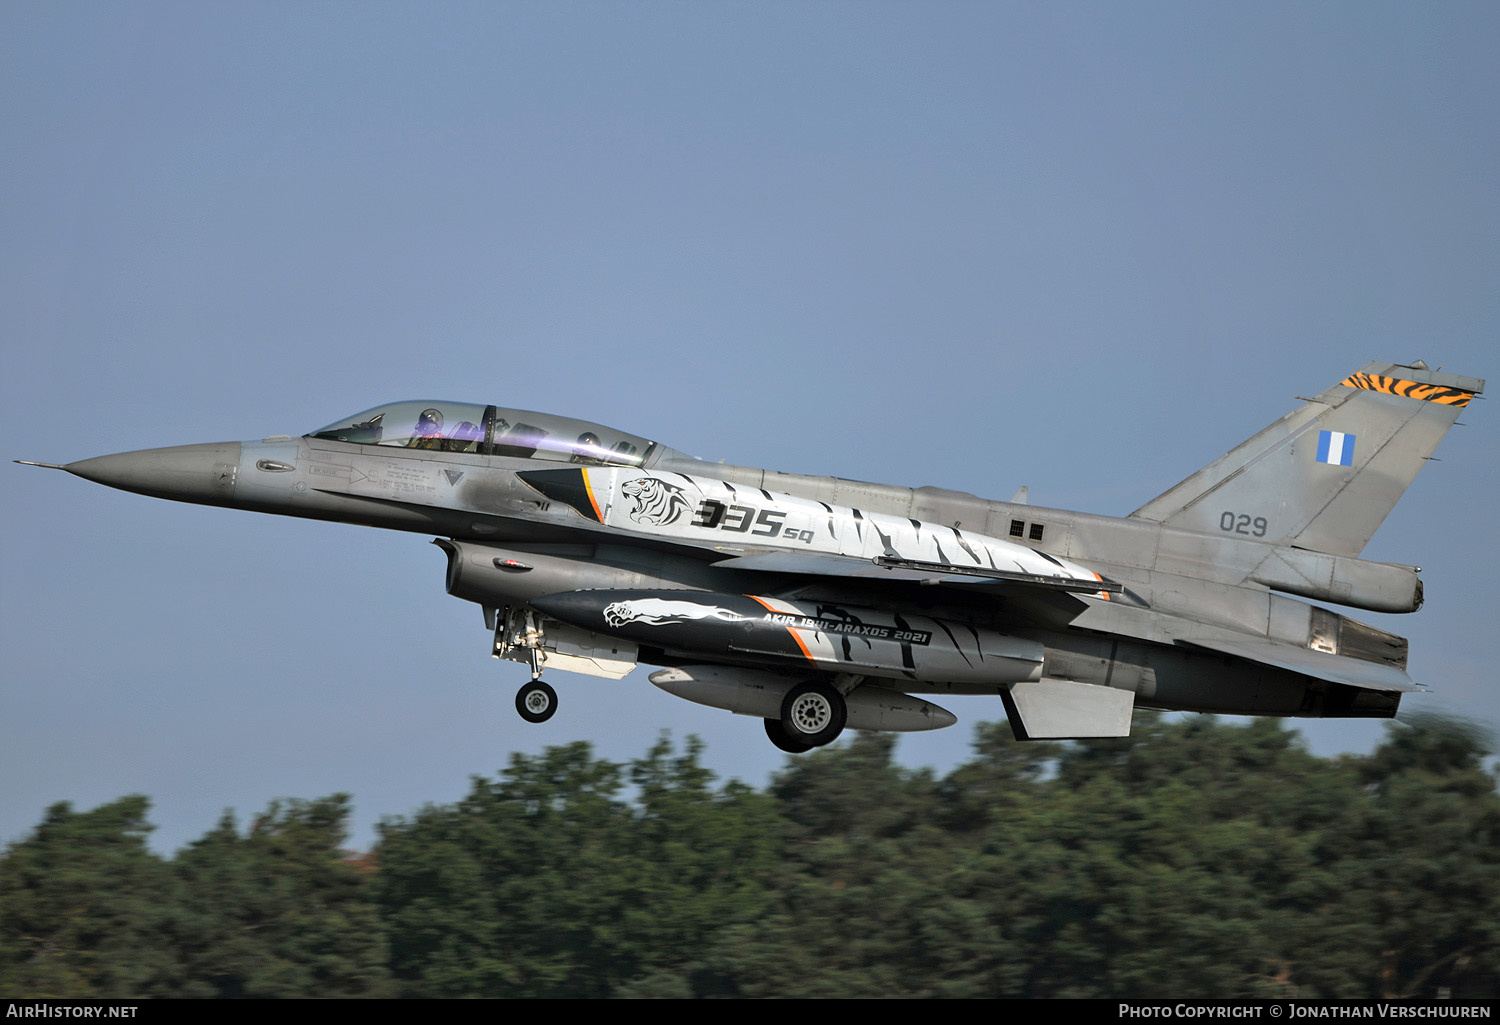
{"x": 589, "y": 488}
{"x": 791, "y": 630}
{"x": 1409, "y": 389}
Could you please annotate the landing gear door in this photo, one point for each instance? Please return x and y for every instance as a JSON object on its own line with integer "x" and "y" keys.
{"x": 522, "y": 635}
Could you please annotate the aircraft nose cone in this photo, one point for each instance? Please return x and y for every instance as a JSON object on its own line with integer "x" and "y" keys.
{"x": 184, "y": 473}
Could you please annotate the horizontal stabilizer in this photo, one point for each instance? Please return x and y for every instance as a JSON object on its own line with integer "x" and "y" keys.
{"x": 1356, "y": 672}
{"x": 1049, "y": 709}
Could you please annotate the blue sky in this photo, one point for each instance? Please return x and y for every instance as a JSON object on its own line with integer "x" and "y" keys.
{"x": 1084, "y": 247}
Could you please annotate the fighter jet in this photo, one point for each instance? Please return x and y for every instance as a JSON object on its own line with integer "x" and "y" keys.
{"x": 818, "y": 604}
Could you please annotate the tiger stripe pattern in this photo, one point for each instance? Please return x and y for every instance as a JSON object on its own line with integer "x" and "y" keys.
{"x": 1409, "y": 389}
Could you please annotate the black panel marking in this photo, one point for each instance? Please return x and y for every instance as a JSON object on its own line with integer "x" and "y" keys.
{"x": 956, "y": 646}
{"x": 942, "y": 555}
{"x": 907, "y": 659}
{"x": 965, "y": 545}
{"x": 566, "y": 486}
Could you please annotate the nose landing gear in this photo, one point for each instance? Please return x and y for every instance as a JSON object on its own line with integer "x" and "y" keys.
{"x": 536, "y": 702}
{"x": 519, "y": 630}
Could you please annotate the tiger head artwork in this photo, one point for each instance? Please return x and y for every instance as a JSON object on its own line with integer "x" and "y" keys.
{"x": 656, "y": 502}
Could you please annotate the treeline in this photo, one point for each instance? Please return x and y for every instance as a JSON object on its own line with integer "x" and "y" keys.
{"x": 1194, "y": 859}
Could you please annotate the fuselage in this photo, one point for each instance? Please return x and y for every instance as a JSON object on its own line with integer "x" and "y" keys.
{"x": 493, "y": 502}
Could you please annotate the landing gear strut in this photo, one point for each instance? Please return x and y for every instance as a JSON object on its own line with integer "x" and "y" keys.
{"x": 518, "y": 629}
{"x": 536, "y": 701}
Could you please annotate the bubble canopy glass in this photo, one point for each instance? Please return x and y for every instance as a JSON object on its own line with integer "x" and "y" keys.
{"x": 489, "y": 430}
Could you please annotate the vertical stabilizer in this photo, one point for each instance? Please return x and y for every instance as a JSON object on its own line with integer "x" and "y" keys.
{"x": 1326, "y": 475}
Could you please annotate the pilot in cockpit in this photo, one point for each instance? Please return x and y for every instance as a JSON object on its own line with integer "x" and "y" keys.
{"x": 587, "y": 450}
{"x": 429, "y": 430}
{"x": 465, "y": 437}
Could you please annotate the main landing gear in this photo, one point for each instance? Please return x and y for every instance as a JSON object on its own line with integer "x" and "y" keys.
{"x": 812, "y": 714}
{"x": 778, "y": 736}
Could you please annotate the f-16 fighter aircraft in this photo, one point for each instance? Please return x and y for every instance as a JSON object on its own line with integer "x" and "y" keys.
{"x": 816, "y": 603}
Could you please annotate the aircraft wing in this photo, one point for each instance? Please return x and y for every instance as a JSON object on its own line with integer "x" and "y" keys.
{"x": 1356, "y": 672}
{"x": 1041, "y": 601}
{"x": 816, "y": 564}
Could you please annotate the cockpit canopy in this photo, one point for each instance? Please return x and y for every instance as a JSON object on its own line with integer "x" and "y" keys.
{"x": 489, "y": 430}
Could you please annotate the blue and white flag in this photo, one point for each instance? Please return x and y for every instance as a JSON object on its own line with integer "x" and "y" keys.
{"x": 1336, "y": 448}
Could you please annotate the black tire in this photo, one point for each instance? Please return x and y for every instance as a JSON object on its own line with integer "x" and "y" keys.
{"x": 536, "y": 702}
{"x": 777, "y": 733}
{"x": 813, "y": 713}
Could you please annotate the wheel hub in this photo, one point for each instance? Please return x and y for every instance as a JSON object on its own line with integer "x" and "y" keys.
{"x": 811, "y": 713}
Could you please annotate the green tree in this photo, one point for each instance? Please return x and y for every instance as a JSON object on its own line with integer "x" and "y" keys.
{"x": 875, "y": 897}
{"x": 1424, "y": 862}
{"x": 281, "y": 911}
{"x": 84, "y": 907}
{"x": 700, "y": 861}
{"x": 1193, "y": 858}
{"x": 508, "y": 891}
{"x": 547, "y": 882}
{"x": 1188, "y": 860}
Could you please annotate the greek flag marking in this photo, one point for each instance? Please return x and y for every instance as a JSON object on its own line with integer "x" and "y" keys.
{"x": 1336, "y": 448}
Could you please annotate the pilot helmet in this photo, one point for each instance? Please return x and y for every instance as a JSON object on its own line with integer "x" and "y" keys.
{"x": 430, "y": 420}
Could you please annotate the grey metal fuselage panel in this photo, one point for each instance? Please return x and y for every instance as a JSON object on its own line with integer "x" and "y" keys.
{"x": 1177, "y": 583}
